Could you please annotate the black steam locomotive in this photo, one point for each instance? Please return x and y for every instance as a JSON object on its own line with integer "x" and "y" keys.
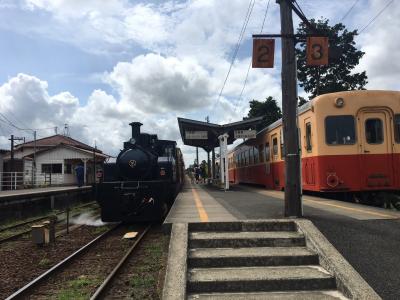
{"x": 143, "y": 182}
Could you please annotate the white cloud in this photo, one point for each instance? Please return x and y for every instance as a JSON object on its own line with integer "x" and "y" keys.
{"x": 381, "y": 45}
{"x": 193, "y": 41}
{"x": 152, "y": 84}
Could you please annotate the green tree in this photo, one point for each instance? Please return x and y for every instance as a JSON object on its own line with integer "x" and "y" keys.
{"x": 268, "y": 109}
{"x": 301, "y": 101}
{"x": 344, "y": 57}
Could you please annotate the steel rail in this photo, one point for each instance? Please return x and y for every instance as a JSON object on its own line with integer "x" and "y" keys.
{"x": 41, "y": 218}
{"x": 17, "y": 235}
{"x": 105, "y": 285}
{"x": 25, "y": 289}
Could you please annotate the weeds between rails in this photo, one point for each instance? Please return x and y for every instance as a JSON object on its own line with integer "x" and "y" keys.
{"x": 79, "y": 266}
{"x": 24, "y": 232}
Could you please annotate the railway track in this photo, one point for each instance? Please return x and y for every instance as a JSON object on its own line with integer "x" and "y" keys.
{"x": 26, "y": 223}
{"x": 106, "y": 254}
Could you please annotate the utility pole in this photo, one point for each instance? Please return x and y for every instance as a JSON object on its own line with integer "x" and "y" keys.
{"x": 208, "y": 157}
{"x": 12, "y": 139}
{"x": 197, "y": 156}
{"x": 94, "y": 164}
{"x": 293, "y": 202}
{"x": 34, "y": 159}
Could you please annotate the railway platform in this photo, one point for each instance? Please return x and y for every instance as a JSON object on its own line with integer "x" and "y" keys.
{"x": 18, "y": 194}
{"x": 20, "y": 203}
{"x": 366, "y": 236}
{"x": 195, "y": 204}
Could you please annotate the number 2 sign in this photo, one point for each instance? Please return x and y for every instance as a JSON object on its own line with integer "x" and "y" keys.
{"x": 317, "y": 51}
{"x": 263, "y": 53}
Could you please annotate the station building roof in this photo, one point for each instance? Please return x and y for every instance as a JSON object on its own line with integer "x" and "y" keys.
{"x": 213, "y": 131}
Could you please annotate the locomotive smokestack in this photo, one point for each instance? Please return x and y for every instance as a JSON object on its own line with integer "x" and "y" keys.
{"x": 135, "y": 129}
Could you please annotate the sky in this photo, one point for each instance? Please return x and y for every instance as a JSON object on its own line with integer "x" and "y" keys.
{"x": 98, "y": 65}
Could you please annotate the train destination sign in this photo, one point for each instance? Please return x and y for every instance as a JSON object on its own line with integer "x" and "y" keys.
{"x": 196, "y": 135}
{"x": 245, "y": 134}
{"x": 263, "y": 53}
{"x": 317, "y": 51}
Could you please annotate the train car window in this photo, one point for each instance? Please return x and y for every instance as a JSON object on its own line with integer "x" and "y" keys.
{"x": 267, "y": 152}
{"x": 251, "y": 154}
{"x": 261, "y": 153}
{"x": 275, "y": 146}
{"x": 397, "y": 128}
{"x": 340, "y": 130}
{"x": 308, "y": 137}
{"x": 374, "y": 131}
{"x": 256, "y": 155}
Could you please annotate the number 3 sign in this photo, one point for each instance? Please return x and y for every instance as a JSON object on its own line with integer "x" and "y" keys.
{"x": 263, "y": 53}
{"x": 317, "y": 51}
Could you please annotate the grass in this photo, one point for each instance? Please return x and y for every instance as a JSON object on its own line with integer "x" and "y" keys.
{"x": 100, "y": 229}
{"x": 44, "y": 263}
{"x": 144, "y": 281}
{"x": 78, "y": 289}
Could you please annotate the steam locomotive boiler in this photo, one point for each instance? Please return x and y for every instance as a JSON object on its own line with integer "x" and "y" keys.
{"x": 143, "y": 182}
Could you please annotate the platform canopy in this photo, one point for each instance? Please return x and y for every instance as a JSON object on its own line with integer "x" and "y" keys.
{"x": 205, "y": 135}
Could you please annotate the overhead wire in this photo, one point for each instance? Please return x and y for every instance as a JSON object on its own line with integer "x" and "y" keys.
{"x": 349, "y": 10}
{"x": 243, "y": 30}
{"x": 376, "y": 16}
{"x": 248, "y": 69}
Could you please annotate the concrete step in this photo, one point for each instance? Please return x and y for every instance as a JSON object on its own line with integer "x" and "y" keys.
{"x": 256, "y": 256}
{"x": 257, "y": 279}
{"x": 272, "y": 225}
{"x": 245, "y": 239}
{"x": 301, "y": 295}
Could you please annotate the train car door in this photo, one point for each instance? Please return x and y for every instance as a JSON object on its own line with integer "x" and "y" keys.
{"x": 275, "y": 158}
{"x": 376, "y": 148}
{"x": 308, "y": 166}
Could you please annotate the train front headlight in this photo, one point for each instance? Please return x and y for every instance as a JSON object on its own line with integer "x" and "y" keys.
{"x": 339, "y": 102}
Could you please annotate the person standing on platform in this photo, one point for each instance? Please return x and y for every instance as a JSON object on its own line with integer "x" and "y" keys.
{"x": 79, "y": 171}
{"x": 197, "y": 174}
{"x": 203, "y": 173}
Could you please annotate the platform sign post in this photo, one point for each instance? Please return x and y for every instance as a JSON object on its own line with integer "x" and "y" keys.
{"x": 226, "y": 161}
{"x": 196, "y": 135}
{"x": 223, "y": 146}
{"x": 245, "y": 134}
{"x": 263, "y": 53}
{"x": 317, "y": 51}
{"x": 221, "y": 160}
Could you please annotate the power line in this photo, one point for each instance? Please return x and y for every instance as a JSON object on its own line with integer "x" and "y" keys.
{"x": 246, "y": 21}
{"x": 248, "y": 69}
{"x": 350, "y": 9}
{"x": 376, "y": 16}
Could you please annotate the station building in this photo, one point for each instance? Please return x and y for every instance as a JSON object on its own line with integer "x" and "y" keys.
{"x": 56, "y": 158}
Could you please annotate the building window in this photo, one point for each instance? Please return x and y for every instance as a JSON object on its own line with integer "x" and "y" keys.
{"x": 340, "y": 130}
{"x": 308, "y": 137}
{"x": 52, "y": 168}
{"x": 374, "y": 131}
{"x": 67, "y": 169}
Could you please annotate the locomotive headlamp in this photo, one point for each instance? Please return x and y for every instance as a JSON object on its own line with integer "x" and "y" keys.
{"x": 339, "y": 102}
{"x": 132, "y": 141}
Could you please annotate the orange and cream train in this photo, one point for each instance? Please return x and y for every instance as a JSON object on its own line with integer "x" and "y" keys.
{"x": 350, "y": 143}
